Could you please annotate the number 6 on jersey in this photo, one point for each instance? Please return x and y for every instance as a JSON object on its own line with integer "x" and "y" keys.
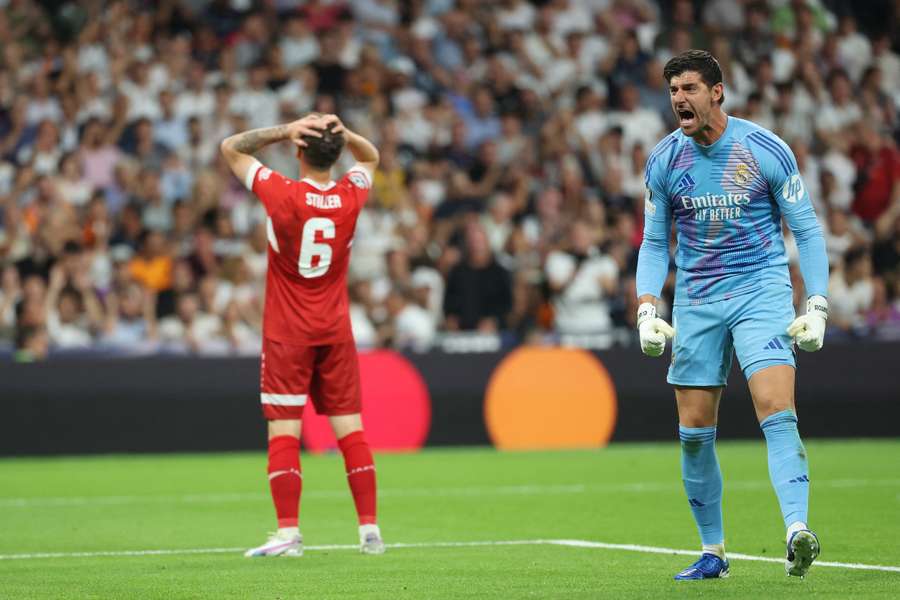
{"x": 310, "y": 248}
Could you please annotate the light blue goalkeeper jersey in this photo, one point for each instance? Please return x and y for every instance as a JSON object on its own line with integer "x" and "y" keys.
{"x": 727, "y": 200}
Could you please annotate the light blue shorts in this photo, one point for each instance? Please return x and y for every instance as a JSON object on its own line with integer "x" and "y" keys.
{"x": 752, "y": 325}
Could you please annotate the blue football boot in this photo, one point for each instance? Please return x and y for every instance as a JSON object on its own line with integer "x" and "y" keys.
{"x": 709, "y": 566}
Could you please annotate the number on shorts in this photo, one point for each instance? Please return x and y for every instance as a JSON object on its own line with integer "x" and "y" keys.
{"x": 310, "y": 248}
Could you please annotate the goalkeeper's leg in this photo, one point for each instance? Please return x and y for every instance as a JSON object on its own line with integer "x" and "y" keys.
{"x": 697, "y": 416}
{"x": 772, "y": 389}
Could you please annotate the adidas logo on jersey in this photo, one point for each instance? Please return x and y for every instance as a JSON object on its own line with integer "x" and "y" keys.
{"x": 687, "y": 183}
{"x": 774, "y": 344}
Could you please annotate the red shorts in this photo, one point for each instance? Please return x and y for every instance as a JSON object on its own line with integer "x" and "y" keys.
{"x": 290, "y": 375}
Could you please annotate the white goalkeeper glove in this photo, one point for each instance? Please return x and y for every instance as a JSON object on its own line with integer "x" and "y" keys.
{"x": 654, "y": 331}
{"x": 809, "y": 330}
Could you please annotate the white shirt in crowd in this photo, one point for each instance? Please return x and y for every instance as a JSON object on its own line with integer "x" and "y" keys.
{"x": 642, "y": 125}
{"x": 849, "y": 302}
{"x": 204, "y": 329}
{"x": 581, "y": 306}
{"x": 414, "y": 328}
{"x": 832, "y": 117}
{"x": 364, "y": 333}
{"x": 67, "y": 335}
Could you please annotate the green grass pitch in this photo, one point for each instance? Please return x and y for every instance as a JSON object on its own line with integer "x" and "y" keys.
{"x": 217, "y": 504}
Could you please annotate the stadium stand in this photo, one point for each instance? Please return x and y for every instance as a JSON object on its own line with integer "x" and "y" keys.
{"x": 513, "y": 137}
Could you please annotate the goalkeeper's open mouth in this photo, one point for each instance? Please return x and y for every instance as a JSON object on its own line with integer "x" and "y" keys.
{"x": 686, "y": 117}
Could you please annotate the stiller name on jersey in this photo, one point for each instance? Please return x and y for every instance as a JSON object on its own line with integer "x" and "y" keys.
{"x": 320, "y": 201}
{"x": 716, "y": 207}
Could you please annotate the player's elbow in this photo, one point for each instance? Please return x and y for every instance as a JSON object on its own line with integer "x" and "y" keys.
{"x": 654, "y": 244}
{"x": 810, "y": 232}
{"x": 226, "y": 147}
{"x": 376, "y": 157}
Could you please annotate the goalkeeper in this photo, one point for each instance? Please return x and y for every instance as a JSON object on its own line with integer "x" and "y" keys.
{"x": 727, "y": 183}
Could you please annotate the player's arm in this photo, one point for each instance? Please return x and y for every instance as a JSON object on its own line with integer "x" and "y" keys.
{"x": 364, "y": 151}
{"x": 653, "y": 264}
{"x": 239, "y": 148}
{"x": 780, "y": 169}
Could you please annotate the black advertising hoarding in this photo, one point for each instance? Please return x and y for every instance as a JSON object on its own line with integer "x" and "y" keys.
{"x": 179, "y": 404}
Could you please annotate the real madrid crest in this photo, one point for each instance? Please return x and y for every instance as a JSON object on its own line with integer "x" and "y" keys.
{"x": 742, "y": 174}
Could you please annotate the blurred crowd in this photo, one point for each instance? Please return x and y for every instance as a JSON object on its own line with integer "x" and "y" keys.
{"x": 513, "y": 136}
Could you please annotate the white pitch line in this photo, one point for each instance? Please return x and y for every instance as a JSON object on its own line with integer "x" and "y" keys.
{"x": 567, "y": 543}
{"x": 731, "y": 555}
{"x": 507, "y": 490}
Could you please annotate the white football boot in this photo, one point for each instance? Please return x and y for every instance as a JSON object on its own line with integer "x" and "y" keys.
{"x": 370, "y": 541}
{"x": 280, "y": 543}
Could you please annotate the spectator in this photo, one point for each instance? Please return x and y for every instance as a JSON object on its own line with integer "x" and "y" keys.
{"x": 878, "y": 174}
{"x": 71, "y": 185}
{"x": 32, "y": 344}
{"x": 44, "y": 154}
{"x": 170, "y": 128}
{"x": 130, "y": 320}
{"x": 581, "y": 281}
{"x": 73, "y": 314}
{"x": 98, "y": 154}
{"x": 841, "y": 234}
{"x": 412, "y": 327}
{"x": 189, "y": 329}
{"x": 883, "y": 316}
{"x": 840, "y": 110}
{"x": 152, "y": 267}
{"x": 478, "y": 294}
{"x": 257, "y": 102}
{"x": 851, "y": 289}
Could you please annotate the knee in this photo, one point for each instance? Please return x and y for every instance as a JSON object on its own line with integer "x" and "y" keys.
{"x": 697, "y": 416}
{"x": 344, "y": 425}
{"x": 697, "y": 420}
{"x": 768, "y": 405}
{"x": 280, "y": 427}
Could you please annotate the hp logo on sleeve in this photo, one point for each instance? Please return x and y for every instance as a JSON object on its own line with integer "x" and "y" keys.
{"x": 793, "y": 189}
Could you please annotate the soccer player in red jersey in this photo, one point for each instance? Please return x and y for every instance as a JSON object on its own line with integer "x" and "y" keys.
{"x": 308, "y": 350}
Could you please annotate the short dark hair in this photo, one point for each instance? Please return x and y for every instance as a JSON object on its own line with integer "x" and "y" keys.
{"x": 322, "y": 152}
{"x": 700, "y": 61}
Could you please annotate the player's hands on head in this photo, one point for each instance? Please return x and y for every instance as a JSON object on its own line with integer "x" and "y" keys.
{"x": 334, "y": 123}
{"x": 310, "y": 125}
{"x": 653, "y": 330}
{"x": 809, "y": 330}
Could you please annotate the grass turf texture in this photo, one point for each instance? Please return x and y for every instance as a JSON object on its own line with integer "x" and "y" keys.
{"x": 628, "y": 493}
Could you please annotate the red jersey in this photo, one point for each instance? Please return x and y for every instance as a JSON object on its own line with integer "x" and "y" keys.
{"x": 310, "y": 230}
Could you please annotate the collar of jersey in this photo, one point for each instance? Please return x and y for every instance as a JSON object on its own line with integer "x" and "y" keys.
{"x": 317, "y": 185}
{"x": 718, "y": 144}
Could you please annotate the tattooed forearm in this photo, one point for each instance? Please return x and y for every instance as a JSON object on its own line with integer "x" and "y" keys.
{"x": 249, "y": 142}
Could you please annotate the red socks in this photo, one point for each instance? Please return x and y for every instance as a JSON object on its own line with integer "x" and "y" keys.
{"x": 285, "y": 479}
{"x": 360, "y": 474}
{"x": 286, "y": 482}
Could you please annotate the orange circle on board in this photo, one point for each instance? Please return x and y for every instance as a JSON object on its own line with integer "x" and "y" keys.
{"x": 550, "y": 398}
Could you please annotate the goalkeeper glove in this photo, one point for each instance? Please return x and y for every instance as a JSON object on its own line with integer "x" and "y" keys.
{"x": 809, "y": 330}
{"x": 654, "y": 331}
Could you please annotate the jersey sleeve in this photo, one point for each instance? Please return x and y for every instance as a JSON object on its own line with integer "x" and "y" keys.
{"x": 271, "y": 187}
{"x": 358, "y": 181}
{"x": 779, "y": 167}
{"x": 653, "y": 257}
